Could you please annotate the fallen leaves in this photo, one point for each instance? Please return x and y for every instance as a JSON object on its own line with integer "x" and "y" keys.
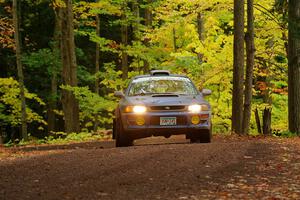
{"x": 262, "y": 175}
{"x": 267, "y": 169}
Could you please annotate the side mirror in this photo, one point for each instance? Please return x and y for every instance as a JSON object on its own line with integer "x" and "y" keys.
{"x": 119, "y": 94}
{"x": 206, "y": 92}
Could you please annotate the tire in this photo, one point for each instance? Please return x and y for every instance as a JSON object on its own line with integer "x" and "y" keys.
{"x": 122, "y": 139}
{"x": 206, "y": 137}
{"x": 203, "y": 137}
{"x": 194, "y": 139}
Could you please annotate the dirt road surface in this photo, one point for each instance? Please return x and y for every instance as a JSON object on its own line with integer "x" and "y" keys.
{"x": 227, "y": 168}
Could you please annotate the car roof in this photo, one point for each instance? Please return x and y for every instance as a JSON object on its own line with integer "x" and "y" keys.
{"x": 159, "y": 73}
{"x": 171, "y": 75}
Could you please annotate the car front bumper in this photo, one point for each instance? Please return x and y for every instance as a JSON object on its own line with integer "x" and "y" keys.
{"x": 152, "y": 127}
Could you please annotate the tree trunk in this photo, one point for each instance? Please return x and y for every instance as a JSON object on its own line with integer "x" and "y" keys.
{"x": 250, "y": 50}
{"x": 69, "y": 70}
{"x": 124, "y": 37}
{"x": 238, "y": 67}
{"x": 200, "y": 28}
{"x": 136, "y": 29}
{"x": 136, "y": 12}
{"x": 54, "y": 72}
{"x": 174, "y": 40}
{"x": 267, "y": 113}
{"x": 148, "y": 24}
{"x": 97, "y": 67}
{"x": 294, "y": 66}
{"x": 97, "y": 57}
{"x": 1, "y": 136}
{"x": 52, "y": 103}
{"x": 257, "y": 119}
{"x": 20, "y": 70}
{"x": 267, "y": 99}
{"x": 148, "y": 14}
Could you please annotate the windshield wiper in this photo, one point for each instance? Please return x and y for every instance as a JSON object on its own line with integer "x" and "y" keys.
{"x": 143, "y": 94}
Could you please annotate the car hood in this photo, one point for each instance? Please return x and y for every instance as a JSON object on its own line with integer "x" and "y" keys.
{"x": 164, "y": 100}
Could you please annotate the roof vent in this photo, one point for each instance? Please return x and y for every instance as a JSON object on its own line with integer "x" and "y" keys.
{"x": 160, "y": 73}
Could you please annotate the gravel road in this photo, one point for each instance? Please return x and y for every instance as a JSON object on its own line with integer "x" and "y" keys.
{"x": 234, "y": 168}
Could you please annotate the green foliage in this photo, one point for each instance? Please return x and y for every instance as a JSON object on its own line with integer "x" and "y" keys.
{"x": 63, "y": 138}
{"x": 279, "y": 112}
{"x": 60, "y": 138}
{"x": 111, "y": 79}
{"x": 43, "y": 59}
{"x": 286, "y": 134}
{"x": 172, "y": 42}
{"x": 10, "y": 104}
{"x": 84, "y": 76}
{"x": 93, "y": 108}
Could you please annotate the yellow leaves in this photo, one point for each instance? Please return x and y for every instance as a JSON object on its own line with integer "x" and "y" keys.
{"x": 171, "y": 10}
{"x": 58, "y": 112}
{"x": 88, "y": 124}
{"x": 58, "y": 4}
{"x": 105, "y": 7}
{"x": 9, "y": 90}
{"x": 85, "y": 12}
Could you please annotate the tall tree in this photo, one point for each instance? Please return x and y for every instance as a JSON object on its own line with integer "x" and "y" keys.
{"x": 97, "y": 56}
{"x": 97, "y": 66}
{"x": 250, "y": 51}
{"x": 20, "y": 68}
{"x": 136, "y": 23}
{"x": 238, "y": 67}
{"x": 136, "y": 30}
{"x": 69, "y": 69}
{"x": 124, "y": 38}
{"x": 200, "y": 30}
{"x": 54, "y": 71}
{"x": 200, "y": 26}
{"x": 1, "y": 137}
{"x": 148, "y": 24}
{"x": 294, "y": 66}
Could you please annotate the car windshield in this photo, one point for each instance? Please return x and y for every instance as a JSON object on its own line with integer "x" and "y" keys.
{"x": 162, "y": 85}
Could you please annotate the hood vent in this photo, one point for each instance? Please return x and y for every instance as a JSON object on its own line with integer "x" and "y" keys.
{"x": 165, "y": 95}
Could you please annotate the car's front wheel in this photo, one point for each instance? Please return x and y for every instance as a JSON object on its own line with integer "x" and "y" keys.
{"x": 206, "y": 137}
{"x": 122, "y": 139}
{"x": 203, "y": 137}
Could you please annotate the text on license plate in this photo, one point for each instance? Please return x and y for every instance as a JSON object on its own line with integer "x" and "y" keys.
{"x": 168, "y": 121}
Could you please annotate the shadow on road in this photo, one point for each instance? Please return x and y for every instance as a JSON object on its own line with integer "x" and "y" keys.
{"x": 176, "y": 139}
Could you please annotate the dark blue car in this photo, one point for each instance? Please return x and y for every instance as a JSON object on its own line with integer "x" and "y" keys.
{"x": 162, "y": 104}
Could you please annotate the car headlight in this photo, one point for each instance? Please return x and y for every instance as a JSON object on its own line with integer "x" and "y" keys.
{"x": 136, "y": 109}
{"x": 197, "y": 108}
{"x": 139, "y": 109}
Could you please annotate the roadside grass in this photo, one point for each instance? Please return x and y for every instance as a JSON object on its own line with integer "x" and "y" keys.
{"x": 57, "y": 138}
{"x": 62, "y": 138}
{"x": 275, "y": 133}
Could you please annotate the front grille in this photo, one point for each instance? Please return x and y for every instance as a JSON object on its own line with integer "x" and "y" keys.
{"x": 180, "y": 120}
{"x": 167, "y": 108}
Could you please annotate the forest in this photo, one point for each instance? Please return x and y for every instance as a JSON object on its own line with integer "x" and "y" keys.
{"x": 62, "y": 60}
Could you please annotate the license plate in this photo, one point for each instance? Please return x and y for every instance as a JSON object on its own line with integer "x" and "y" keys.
{"x": 168, "y": 121}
